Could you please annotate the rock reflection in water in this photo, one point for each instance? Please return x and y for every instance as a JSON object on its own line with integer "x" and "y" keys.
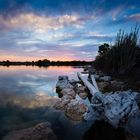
{"x": 27, "y": 95}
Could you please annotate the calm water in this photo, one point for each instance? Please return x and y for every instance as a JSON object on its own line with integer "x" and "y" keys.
{"x": 20, "y": 84}
{"x": 26, "y": 96}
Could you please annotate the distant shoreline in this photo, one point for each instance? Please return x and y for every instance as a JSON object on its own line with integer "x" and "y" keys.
{"x": 46, "y": 63}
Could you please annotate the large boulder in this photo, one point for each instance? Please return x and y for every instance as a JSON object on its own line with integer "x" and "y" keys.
{"x": 68, "y": 92}
{"x": 120, "y": 106}
{"x": 63, "y": 82}
{"x": 75, "y": 110}
{"x": 67, "y": 96}
{"x": 62, "y": 104}
{"x": 41, "y": 131}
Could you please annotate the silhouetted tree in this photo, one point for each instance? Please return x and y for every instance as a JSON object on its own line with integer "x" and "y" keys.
{"x": 122, "y": 57}
{"x": 103, "y": 49}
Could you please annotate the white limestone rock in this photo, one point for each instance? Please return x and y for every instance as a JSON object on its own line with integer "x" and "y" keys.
{"x": 116, "y": 108}
{"x": 119, "y": 107}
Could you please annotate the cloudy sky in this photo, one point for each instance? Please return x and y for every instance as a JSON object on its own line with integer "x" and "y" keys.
{"x": 62, "y": 29}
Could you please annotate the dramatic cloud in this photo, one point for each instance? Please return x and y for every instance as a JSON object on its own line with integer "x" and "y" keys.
{"x": 62, "y": 29}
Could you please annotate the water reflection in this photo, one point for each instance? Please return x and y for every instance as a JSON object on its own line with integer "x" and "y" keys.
{"x": 27, "y": 95}
{"x": 31, "y": 86}
{"x": 26, "y": 98}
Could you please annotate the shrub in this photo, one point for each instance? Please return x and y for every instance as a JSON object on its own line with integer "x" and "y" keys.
{"x": 121, "y": 57}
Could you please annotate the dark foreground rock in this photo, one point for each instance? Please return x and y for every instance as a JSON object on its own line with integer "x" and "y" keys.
{"x": 102, "y": 130}
{"x": 41, "y": 131}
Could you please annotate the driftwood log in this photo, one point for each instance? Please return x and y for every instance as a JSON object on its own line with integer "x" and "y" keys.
{"x": 92, "y": 88}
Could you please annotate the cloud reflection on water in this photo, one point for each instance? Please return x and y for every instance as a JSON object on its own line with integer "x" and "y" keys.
{"x": 31, "y": 87}
{"x": 27, "y": 95}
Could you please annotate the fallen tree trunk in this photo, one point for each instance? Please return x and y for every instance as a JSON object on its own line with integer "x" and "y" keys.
{"x": 94, "y": 82}
{"x": 90, "y": 87}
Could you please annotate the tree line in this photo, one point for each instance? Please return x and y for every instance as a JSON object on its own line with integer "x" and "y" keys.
{"x": 46, "y": 62}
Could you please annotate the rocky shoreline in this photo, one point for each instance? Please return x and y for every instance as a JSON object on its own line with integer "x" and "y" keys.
{"x": 113, "y": 104}
{"x": 108, "y": 110}
{"x": 69, "y": 102}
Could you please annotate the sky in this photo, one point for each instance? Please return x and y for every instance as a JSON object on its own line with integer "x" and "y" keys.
{"x": 62, "y": 29}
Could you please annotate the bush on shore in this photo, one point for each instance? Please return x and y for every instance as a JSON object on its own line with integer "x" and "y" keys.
{"x": 123, "y": 56}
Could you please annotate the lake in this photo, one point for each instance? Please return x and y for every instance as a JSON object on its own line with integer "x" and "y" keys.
{"x": 27, "y": 94}
{"x": 20, "y": 84}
